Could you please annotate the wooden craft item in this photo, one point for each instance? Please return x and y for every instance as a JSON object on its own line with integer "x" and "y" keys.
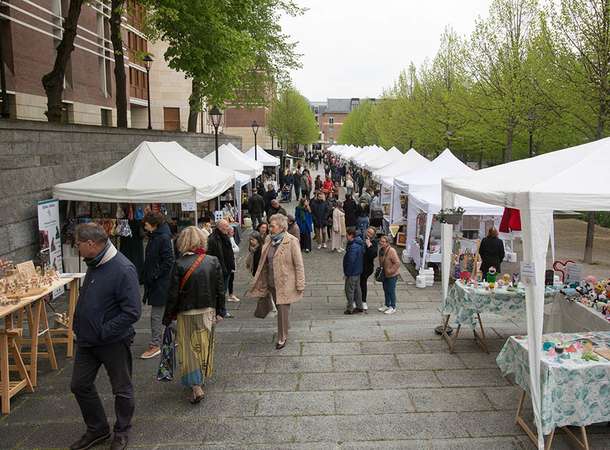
{"x": 26, "y": 269}
{"x": 603, "y": 352}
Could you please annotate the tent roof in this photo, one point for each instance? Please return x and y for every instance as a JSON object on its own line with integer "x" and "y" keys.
{"x": 389, "y": 157}
{"x": 229, "y": 157}
{"x": 574, "y": 178}
{"x": 263, "y": 157}
{"x": 370, "y": 153}
{"x": 445, "y": 165}
{"x": 428, "y": 199}
{"x": 153, "y": 172}
{"x": 409, "y": 161}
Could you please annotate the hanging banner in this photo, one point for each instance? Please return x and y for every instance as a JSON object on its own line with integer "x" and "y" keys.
{"x": 50, "y": 237}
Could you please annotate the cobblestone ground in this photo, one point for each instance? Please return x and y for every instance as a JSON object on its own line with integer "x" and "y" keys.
{"x": 342, "y": 382}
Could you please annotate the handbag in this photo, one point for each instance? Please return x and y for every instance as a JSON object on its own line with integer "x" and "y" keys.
{"x": 168, "y": 356}
{"x": 264, "y": 306}
{"x": 379, "y": 275}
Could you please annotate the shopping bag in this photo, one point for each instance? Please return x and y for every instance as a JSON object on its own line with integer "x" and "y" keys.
{"x": 168, "y": 356}
{"x": 263, "y": 307}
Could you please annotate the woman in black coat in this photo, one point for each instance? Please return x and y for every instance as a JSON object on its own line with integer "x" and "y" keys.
{"x": 158, "y": 263}
{"x": 491, "y": 251}
{"x": 370, "y": 253}
{"x": 351, "y": 211}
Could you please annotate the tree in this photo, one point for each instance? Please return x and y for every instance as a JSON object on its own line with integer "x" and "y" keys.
{"x": 117, "y": 8}
{"x": 359, "y": 126}
{"x": 291, "y": 119}
{"x": 234, "y": 50}
{"x": 53, "y": 82}
{"x": 580, "y": 44}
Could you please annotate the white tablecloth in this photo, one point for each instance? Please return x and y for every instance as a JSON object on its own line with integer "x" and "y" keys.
{"x": 564, "y": 316}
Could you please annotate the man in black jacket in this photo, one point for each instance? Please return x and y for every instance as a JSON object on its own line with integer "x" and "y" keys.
{"x": 256, "y": 208}
{"x": 158, "y": 265}
{"x": 269, "y": 195}
{"x": 320, "y": 210}
{"x": 275, "y": 208}
{"x": 371, "y": 248}
{"x": 108, "y": 306}
{"x": 219, "y": 245}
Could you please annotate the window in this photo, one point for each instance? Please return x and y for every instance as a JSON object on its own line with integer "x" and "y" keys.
{"x": 171, "y": 119}
{"x": 67, "y": 112}
{"x": 331, "y": 122}
{"x": 106, "y": 117}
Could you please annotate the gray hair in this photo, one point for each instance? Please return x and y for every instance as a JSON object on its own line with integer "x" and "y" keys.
{"x": 281, "y": 220}
{"x": 91, "y": 232}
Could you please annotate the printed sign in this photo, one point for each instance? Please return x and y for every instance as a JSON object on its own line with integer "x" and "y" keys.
{"x": 574, "y": 273}
{"x": 528, "y": 273}
{"x": 189, "y": 206}
{"x": 50, "y": 237}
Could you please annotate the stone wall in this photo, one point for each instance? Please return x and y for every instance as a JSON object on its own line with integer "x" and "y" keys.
{"x": 34, "y": 156}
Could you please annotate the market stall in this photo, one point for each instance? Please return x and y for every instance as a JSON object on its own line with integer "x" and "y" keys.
{"x": 536, "y": 186}
{"x": 261, "y": 156}
{"x": 392, "y": 156}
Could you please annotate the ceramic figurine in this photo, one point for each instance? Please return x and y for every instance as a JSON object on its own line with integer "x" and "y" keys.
{"x": 491, "y": 277}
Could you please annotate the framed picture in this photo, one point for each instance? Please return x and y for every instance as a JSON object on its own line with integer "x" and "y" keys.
{"x": 401, "y": 239}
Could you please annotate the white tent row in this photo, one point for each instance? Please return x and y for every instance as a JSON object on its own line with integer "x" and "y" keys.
{"x": 230, "y": 157}
{"x": 162, "y": 172}
{"x": 369, "y": 153}
{"x": 409, "y": 161}
{"x": 260, "y": 155}
{"x": 536, "y": 186}
{"x": 389, "y": 157}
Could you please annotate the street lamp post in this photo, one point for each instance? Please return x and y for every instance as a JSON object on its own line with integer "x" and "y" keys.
{"x": 255, "y": 130}
{"x": 215, "y": 117}
{"x": 147, "y": 63}
{"x": 5, "y": 111}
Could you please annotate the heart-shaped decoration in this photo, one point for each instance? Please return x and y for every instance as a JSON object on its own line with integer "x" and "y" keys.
{"x": 560, "y": 266}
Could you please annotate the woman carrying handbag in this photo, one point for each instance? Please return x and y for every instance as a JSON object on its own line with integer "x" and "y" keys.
{"x": 196, "y": 294}
{"x": 389, "y": 263}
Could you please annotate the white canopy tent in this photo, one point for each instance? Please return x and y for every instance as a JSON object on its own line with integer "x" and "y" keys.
{"x": 389, "y": 157}
{"x": 536, "y": 186}
{"x": 263, "y": 157}
{"x": 230, "y": 157}
{"x": 409, "y": 161}
{"x": 428, "y": 200}
{"x": 371, "y": 153}
{"x": 154, "y": 172}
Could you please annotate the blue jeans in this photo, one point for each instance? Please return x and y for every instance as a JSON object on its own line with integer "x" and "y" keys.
{"x": 389, "y": 291}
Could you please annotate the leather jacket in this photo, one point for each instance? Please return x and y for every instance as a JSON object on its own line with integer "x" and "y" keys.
{"x": 204, "y": 288}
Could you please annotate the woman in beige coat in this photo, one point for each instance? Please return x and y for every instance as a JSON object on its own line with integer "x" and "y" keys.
{"x": 339, "y": 230}
{"x": 389, "y": 261}
{"x": 280, "y": 273}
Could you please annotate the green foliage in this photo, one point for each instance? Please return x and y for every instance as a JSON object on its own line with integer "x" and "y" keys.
{"x": 291, "y": 119}
{"x": 359, "y": 126}
{"x": 232, "y": 49}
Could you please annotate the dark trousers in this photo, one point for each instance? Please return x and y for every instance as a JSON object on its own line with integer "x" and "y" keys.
{"x": 116, "y": 359}
{"x": 363, "y": 279}
{"x": 256, "y": 220}
{"x": 230, "y": 282}
{"x": 297, "y": 191}
{"x": 305, "y": 240}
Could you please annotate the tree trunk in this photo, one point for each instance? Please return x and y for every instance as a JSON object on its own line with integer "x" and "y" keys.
{"x": 195, "y": 106}
{"x": 120, "y": 78}
{"x": 53, "y": 82}
{"x": 508, "y": 154}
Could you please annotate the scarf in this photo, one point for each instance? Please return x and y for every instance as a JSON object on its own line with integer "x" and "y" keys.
{"x": 277, "y": 238}
{"x": 107, "y": 253}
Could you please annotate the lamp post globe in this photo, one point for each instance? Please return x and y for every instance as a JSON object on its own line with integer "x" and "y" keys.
{"x": 147, "y": 64}
{"x": 215, "y": 117}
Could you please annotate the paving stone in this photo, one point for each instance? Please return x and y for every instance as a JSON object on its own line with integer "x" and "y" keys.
{"x": 479, "y": 360}
{"x": 291, "y": 349}
{"x": 394, "y": 347}
{"x": 505, "y": 397}
{"x": 409, "y": 333}
{"x": 334, "y": 348}
{"x": 490, "y": 423}
{"x": 496, "y": 443}
{"x": 387, "y": 445}
{"x": 373, "y": 402}
{"x": 333, "y": 381}
{"x": 262, "y": 382}
{"x": 403, "y": 379}
{"x": 297, "y": 364}
{"x": 479, "y": 377}
{"x": 242, "y": 364}
{"x": 357, "y": 334}
{"x": 295, "y": 403}
{"x": 421, "y": 426}
{"x": 458, "y": 399}
{"x": 427, "y": 362}
{"x": 364, "y": 362}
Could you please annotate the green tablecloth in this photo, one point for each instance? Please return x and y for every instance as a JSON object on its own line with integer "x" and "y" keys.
{"x": 464, "y": 302}
{"x": 574, "y": 391}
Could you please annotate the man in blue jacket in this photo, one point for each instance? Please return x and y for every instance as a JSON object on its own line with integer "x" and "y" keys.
{"x": 353, "y": 263}
{"x": 108, "y": 306}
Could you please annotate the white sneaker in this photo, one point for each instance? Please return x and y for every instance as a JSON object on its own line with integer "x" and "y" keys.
{"x": 365, "y": 306}
{"x": 233, "y": 299}
{"x": 319, "y": 247}
{"x": 382, "y": 309}
{"x": 390, "y": 311}
{"x": 323, "y": 245}
{"x": 353, "y": 305}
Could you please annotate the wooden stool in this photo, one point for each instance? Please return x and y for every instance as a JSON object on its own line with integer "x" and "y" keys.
{"x": 9, "y": 345}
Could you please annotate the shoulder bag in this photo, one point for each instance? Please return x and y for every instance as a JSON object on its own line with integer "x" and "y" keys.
{"x": 379, "y": 275}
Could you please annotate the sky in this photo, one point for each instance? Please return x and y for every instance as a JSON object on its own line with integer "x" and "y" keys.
{"x": 357, "y": 48}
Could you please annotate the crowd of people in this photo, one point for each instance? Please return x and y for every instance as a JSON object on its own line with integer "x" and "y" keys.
{"x": 187, "y": 281}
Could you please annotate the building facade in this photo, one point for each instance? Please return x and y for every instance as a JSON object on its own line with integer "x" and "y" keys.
{"x": 238, "y": 122}
{"x": 30, "y": 31}
{"x": 330, "y": 116}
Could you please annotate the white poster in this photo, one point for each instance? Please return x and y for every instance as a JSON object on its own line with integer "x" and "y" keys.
{"x": 50, "y": 236}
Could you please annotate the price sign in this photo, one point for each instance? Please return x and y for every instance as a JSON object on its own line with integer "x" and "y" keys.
{"x": 528, "y": 273}
{"x": 189, "y": 206}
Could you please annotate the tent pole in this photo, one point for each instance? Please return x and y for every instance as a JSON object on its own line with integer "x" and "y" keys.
{"x": 196, "y": 212}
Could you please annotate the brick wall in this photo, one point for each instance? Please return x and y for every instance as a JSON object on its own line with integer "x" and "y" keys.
{"x": 34, "y": 156}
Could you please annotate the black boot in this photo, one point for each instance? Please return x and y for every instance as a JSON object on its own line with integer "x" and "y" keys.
{"x": 89, "y": 440}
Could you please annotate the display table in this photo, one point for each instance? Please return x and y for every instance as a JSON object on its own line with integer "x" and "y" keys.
{"x": 568, "y": 316}
{"x": 466, "y": 303}
{"x": 573, "y": 391}
{"x": 33, "y": 310}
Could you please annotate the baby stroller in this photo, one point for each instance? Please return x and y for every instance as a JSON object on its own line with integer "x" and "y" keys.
{"x": 286, "y": 193}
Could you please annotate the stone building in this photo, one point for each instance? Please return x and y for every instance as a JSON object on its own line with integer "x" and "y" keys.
{"x": 330, "y": 116}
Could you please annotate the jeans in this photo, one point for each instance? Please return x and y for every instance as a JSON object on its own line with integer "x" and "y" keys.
{"x": 116, "y": 359}
{"x": 156, "y": 327}
{"x": 352, "y": 292}
{"x": 305, "y": 240}
{"x": 389, "y": 291}
{"x": 362, "y": 223}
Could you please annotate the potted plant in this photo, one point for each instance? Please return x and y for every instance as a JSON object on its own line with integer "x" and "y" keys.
{"x": 450, "y": 216}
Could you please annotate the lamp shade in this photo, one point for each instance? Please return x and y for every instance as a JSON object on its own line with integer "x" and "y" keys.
{"x": 215, "y": 116}
{"x": 255, "y": 126}
{"x": 147, "y": 61}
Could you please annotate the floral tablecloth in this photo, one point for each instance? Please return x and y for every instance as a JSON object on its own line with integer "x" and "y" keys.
{"x": 574, "y": 391}
{"x": 464, "y": 302}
